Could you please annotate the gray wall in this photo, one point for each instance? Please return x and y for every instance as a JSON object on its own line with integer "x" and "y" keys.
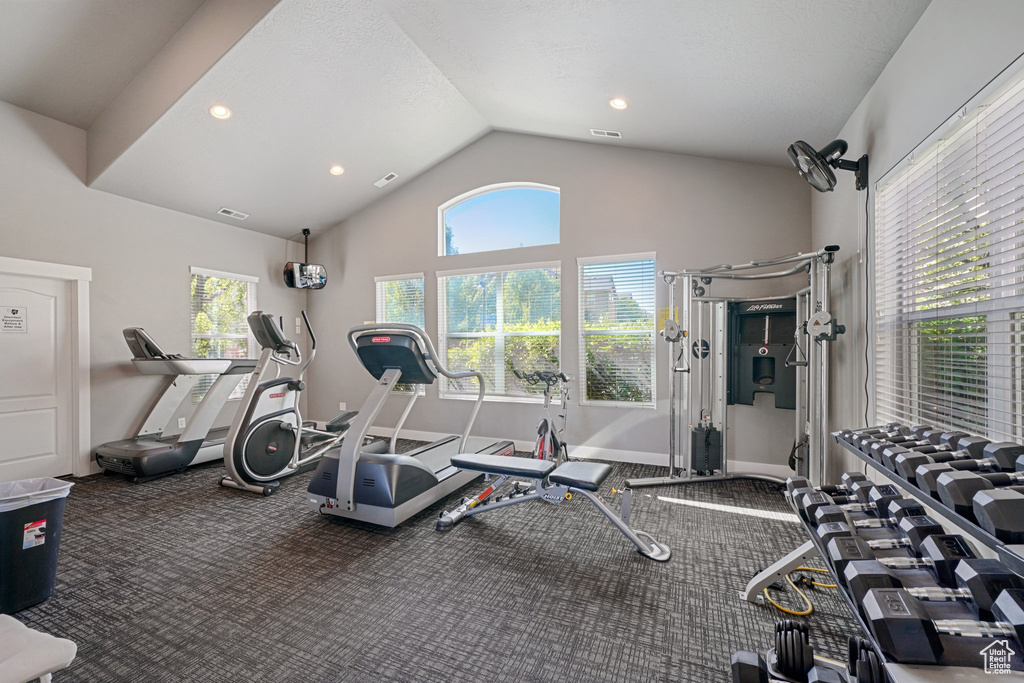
{"x": 140, "y": 256}
{"x": 692, "y": 211}
{"x": 953, "y": 51}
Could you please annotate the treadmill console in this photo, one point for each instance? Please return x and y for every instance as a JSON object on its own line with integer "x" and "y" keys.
{"x": 381, "y": 352}
{"x": 141, "y": 344}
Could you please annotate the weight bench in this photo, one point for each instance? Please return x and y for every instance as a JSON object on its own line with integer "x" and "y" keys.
{"x": 550, "y": 484}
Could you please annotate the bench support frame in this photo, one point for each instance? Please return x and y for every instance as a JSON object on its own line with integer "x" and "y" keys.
{"x": 555, "y": 494}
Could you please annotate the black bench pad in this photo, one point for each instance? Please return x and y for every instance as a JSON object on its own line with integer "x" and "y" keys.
{"x": 531, "y": 468}
{"x": 582, "y": 475}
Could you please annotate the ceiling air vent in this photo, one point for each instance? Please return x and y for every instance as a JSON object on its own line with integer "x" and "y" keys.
{"x": 597, "y": 132}
{"x": 386, "y": 179}
{"x": 231, "y": 213}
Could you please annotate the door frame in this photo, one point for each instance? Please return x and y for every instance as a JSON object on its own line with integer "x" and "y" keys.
{"x": 78, "y": 279}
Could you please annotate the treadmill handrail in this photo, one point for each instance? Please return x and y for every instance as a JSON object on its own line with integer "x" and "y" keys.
{"x": 420, "y": 336}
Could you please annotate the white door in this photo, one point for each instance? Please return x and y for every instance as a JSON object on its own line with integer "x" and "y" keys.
{"x": 35, "y": 378}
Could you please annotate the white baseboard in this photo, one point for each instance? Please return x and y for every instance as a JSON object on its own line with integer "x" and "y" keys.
{"x": 661, "y": 459}
{"x": 609, "y": 454}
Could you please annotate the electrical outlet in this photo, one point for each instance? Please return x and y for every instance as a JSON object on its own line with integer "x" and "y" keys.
{"x": 341, "y": 406}
{"x": 298, "y": 326}
{"x": 181, "y": 422}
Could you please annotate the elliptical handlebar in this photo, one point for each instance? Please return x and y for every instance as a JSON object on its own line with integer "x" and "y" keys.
{"x": 312, "y": 347}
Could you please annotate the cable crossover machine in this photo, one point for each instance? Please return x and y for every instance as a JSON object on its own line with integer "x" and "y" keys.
{"x": 724, "y": 350}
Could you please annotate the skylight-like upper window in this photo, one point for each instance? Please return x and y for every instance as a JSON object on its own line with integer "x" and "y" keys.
{"x": 503, "y": 216}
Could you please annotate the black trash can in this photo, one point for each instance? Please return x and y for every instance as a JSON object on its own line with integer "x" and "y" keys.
{"x": 31, "y": 516}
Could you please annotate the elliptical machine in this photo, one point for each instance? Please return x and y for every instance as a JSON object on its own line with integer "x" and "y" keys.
{"x": 268, "y": 439}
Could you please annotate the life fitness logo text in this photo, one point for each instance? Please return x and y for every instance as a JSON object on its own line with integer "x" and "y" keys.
{"x": 764, "y": 307}
{"x": 381, "y": 340}
{"x": 280, "y": 395}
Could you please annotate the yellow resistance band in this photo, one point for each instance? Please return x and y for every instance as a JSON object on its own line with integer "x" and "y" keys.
{"x": 807, "y": 601}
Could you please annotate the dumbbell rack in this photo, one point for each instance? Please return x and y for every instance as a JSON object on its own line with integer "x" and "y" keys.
{"x": 1010, "y": 555}
{"x": 898, "y": 673}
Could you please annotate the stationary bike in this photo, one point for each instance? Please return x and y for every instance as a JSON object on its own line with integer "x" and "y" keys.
{"x": 268, "y": 439}
{"x": 549, "y": 445}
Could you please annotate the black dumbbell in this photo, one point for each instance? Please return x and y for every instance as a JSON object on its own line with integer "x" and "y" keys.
{"x": 906, "y": 634}
{"x": 1001, "y": 513}
{"x": 862, "y": 441}
{"x": 895, "y": 511}
{"x": 748, "y": 667}
{"x": 936, "y": 441}
{"x": 957, "y": 489}
{"x": 866, "y": 442}
{"x": 968, "y": 449}
{"x": 794, "y": 484}
{"x": 939, "y": 555}
{"x": 876, "y": 503}
{"x": 1003, "y": 456}
{"x": 979, "y": 582}
{"x": 848, "y": 434}
{"x": 913, "y": 530}
{"x": 809, "y": 502}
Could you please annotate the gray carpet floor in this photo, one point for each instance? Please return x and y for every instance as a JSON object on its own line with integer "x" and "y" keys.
{"x": 182, "y": 580}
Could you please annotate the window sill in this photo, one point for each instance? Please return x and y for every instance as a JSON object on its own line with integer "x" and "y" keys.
{"x": 496, "y": 399}
{"x": 618, "y": 404}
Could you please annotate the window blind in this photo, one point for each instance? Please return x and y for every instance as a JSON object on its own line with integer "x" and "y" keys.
{"x": 949, "y": 275}
{"x": 220, "y": 304}
{"x": 617, "y": 320}
{"x": 400, "y": 300}
{"x": 497, "y": 322}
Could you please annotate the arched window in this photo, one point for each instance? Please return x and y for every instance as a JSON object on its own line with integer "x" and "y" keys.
{"x": 502, "y": 216}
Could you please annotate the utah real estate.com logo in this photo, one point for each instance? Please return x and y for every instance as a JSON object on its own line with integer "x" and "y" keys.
{"x": 997, "y": 657}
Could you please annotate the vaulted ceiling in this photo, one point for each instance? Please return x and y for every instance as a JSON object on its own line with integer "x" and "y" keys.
{"x": 380, "y": 86}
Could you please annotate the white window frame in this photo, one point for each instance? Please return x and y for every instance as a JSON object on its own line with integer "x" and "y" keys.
{"x": 442, "y": 333}
{"x": 1000, "y": 399}
{"x": 378, "y": 309}
{"x": 251, "y": 304}
{"x": 582, "y": 333}
{"x": 487, "y": 189}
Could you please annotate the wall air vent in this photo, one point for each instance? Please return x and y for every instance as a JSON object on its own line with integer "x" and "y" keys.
{"x": 386, "y": 179}
{"x": 231, "y": 213}
{"x": 597, "y": 132}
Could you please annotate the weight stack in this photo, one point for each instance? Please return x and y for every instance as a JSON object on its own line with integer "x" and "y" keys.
{"x": 706, "y": 446}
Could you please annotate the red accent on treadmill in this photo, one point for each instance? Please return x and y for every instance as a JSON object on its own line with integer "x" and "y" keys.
{"x": 381, "y": 340}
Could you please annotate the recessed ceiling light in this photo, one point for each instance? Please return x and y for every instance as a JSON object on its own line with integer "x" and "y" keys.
{"x": 337, "y": 170}
{"x": 618, "y": 103}
{"x": 219, "y": 111}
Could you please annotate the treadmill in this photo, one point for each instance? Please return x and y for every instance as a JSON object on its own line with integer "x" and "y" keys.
{"x": 387, "y": 488}
{"x": 161, "y": 447}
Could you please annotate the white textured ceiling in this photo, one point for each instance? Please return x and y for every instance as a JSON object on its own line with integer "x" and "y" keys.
{"x": 736, "y": 79}
{"x": 312, "y": 84}
{"x": 398, "y": 85}
{"x": 67, "y": 59}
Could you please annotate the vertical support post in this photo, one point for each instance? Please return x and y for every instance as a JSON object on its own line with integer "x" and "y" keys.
{"x": 673, "y": 380}
{"x": 814, "y": 382}
{"x": 826, "y": 302}
{"x": 687, "y": 286}
{"x": 719, "y": 377}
